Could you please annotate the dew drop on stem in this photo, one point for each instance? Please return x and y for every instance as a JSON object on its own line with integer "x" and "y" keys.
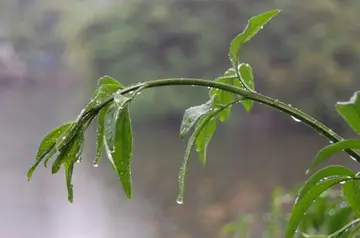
{"x": 295, "y": 119}
{"x": 179, "y": 200}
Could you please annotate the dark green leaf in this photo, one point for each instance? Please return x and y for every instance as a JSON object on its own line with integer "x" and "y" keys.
{"x": 100, "y": 134}
{"x": 109, "y": 80}
{"x": 47, "y": 145}
{"x": 305, "y": 202}
{"x": 69, "y": 167}
{"x": 204, "y": 137}
{"x": 202, "y": 123}
{"x": 246, "y": 74}
{"x": 254, "y": 25}
{"x": 350, "y": 111}
{"x": 104, "y": 93}
{"x": 193, "y": 114}
{"x": 70, "y": 153}
{"x": 119, "y": 141}
{"x": 323, "y": 174}
{"x": 224, "y": 97}
{"x": 351, "y": 191}
{"x": 330, "y": 150}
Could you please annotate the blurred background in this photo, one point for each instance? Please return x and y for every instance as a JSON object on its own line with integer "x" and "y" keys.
{"x": 52, "y": 53}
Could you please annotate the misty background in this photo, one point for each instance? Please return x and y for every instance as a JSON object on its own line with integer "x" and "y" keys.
{"x": 52, "y": 53}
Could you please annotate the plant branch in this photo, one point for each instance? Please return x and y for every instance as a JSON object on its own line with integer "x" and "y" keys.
{"x": 257, "y": 97}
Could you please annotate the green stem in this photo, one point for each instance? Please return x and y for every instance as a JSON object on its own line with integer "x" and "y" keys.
{"x": 257, "y": 97}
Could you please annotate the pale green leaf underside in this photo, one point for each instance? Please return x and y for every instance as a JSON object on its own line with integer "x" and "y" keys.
{"x": 350, "y": 111}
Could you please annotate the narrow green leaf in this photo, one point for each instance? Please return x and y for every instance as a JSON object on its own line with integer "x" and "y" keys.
{"x": 350, "y": 111}
{"x": 69, "y": 167}
{"x": 109, "y": 80}
{"x": 224, "y": 97}
{"x": 47, "y": 145}
{"x": 193, "y": 114}
{"x": 330, "y": 150}
{"x": 254, "y": 25}
{"x": 323, "y": 174}
{"x": 301, "y": 206}
{"x": 351, "y": 225}
{"x": 204, "y": 137}
{"x": 245, "y": 72}
{"x": 70, "y": 153}
{"x": 202, "y": 123}
{"x": 100, "y": 134}
{"x": 67, "y": 136}
{"x": 351, "y": 191}
{"x": 118, "y": 142}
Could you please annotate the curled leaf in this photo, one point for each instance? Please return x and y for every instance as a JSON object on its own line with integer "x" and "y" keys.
{"x": 330, "y": 150}
{"x": 109, "y": 80}
{"x": 324, "y": 174}
{"x": 245, "y": 72}
{"x": 100, "y": 134}
{"x": 350, "y": 111}
{"x": 193, "y": 114}
{"x": 118, "y": 142}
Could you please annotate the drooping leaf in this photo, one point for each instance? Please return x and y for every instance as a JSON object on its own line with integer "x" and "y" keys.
{"x": 245, "y": 72}
{"x": 304, "y": 203}
{"x": 323, "y": 174}
{"x": 109, "y": 80}
{"x": 351, "y": 191}
{"x": 69, "y": 167}
{"x": 350, "y": 111}
{"x": 100, "y": 134}
{"x": 254, "y": 25}
{"x": 193, "y": 114}
{"x": 330, "y": 150}
{"x": 118, "y": 142}
{"x": 224, "y": 97}
{"x": 192, "y": 140}
{"x": 70, "y": 153}
{"x": 204, "y": 137}
{"x": 47, "y": 145}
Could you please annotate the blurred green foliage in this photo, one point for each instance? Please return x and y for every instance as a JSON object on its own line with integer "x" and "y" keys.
{"x": 309, "y": 54}
{"x": 310, "y": 50}
{"x": 328, "y": 213}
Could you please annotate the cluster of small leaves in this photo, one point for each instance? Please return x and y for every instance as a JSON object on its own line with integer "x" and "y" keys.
{"x": 204, "y": 117}
{"x": 114, "y": 135}
{"x": 110, "y": 105}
